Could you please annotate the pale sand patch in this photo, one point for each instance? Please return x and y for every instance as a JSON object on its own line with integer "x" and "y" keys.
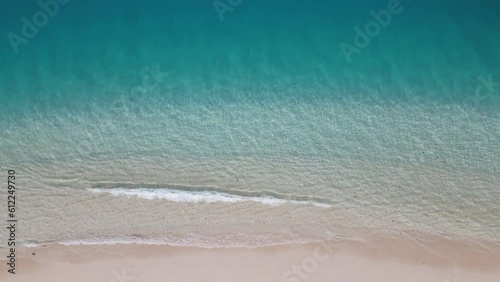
{"x": 332, "y": 261}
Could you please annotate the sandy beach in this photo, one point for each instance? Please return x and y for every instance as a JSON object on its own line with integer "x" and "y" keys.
{"x": 225, "y": 140}
{"x": 331, "y": 260}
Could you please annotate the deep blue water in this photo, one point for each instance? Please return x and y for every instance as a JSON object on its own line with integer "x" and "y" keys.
{"x": 263, "y": 78}
{"x": 94, "y": 51}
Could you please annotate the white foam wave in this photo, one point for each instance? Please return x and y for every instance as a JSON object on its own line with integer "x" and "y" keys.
{"x": 173, "y": 243}
{"x": 196, "y": 196}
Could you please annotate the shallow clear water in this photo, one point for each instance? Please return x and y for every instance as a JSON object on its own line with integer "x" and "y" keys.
{"x": 407, "y": 126}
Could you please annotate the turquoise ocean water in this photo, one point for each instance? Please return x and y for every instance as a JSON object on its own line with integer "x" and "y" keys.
{"x": 396, "y": 123}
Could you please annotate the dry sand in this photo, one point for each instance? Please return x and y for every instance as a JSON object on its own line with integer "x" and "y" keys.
{"x": 329, "y": 261}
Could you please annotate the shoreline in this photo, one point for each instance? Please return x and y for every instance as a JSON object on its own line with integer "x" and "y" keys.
{"x": 335, "y": 259}
{"x": 56, "y": 201}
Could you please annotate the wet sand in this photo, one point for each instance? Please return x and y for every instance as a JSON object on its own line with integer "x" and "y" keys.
{"x": 332, "y": 260}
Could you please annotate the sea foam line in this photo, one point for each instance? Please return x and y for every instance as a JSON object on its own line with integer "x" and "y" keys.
{"x": 189, "y": 242}
{"x": 197, "y": 196}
